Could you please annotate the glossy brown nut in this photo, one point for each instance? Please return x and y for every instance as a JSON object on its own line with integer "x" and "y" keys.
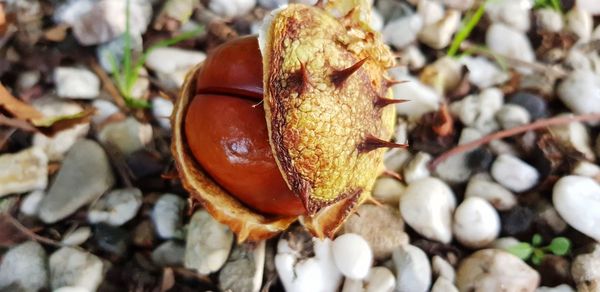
{"x": 227, "y": 132}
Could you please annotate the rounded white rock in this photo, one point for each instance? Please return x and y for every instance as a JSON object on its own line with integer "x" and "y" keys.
{"x": 577, "y": 200}
{"x": 476, "y": 223}
{"x": 352, "y": 255}
{"x": 513, "y": 173}
{"x": 427, "y": 206}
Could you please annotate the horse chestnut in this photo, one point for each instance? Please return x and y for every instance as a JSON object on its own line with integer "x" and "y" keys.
{"x": 227, "y": 132}
{"x": 291, "y": 126}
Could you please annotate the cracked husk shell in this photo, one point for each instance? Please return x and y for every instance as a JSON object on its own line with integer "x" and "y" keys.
{"x": 318, "y": 118}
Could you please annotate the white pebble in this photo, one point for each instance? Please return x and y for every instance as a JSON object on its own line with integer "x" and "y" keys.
{"x": 76, "y": 83}
{"x": 23, "y": 171}
{"x": 439, "y": 34}
{"x": 580, "y": 91}
{"x": 427, "y": 206}
{"x": 442, "y": 268}
{"x": 482, "y": 72}
{"x": 513, "y": 173}
{"x": 422, "y": 98}
{"x": 162, "y": 109}
{"x": 511, "y": 115}
{"x": 104, "y": 109}
{"x": 403, "y": 31}
{"x": 443, "y": 285}
{"x": 116, "y": 207}
{"x": 514, "y": 13}
{"x": 586, "y": 168}
{"x": 352, "y": 255}
{"x": 167, "y": 215}
{"x": 417, "y": 168}
{"x": 574, "y": 135}
{"x": 413, "y": 272}
{"x": 31, "y": 203}
{"x": 577, "y": 200}
{"x": 231, "y": 8}
{"x": 476, "y": 223}
{"x": 388, "y": 190}
{"x": 77, "y": 237}
{"x": 497, "y": 195}
{"x": 549, "y": 19}
{"x": 580, "y": 22}
{"x": 591, "y": 6}
{"x": 509, "y": 42}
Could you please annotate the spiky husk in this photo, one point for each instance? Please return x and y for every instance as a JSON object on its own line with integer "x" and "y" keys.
{"x": 324, "y": 78}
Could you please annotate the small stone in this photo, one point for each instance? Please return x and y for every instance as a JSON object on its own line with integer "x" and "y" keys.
{"x": 586, "y": 168}
{"x": 272, "y": 4}
{"x": 73, "y": 267}
{"x": 24, "y": 268}
{"x": 417, "y": 167}
{"x": 70, "y": 289}
{"x": 145, "y": 163}
{"x": 591, "y": 6}
{"x": 423, "y": 99}
{"x": 413, "y": 272}
{"x": 443, "y": 269}
{"x": 244, "y": 269}
{"x": 167, "y": 215}
{"x": 402, "y": 31}
{"x": 173, "y": 73}
{"x": 546, "y": 215}
{"x": 514, "y": 13}
{"x": 476, "y": 223}
{"x": 513, "y": 173}
{"x": 518, "y": 47}
{"x": 461, "y": 5}
{"x": 56, "y": 146}
{"x": 391, "y": 9}
{"x": 481, "y": 186}
{"x": 444, "y": 75}
{"x": 31, "y": 203}
{"x": 104, "y": 109}
{"x": 559, "y": 288}
{"x": 482, "y": 72}
{"x": 458, "y": 168}
{"x": 169, "y": 253}
{"x": 478, "y": 111}
{"x": 495, "y": 270}
{"x": 352, "y": 255}
{"x": 128, "y": 135}
{"x": 505, "y": 243}
{"x": 443, "y": 285}
{"x": 78, "y": 83}
{"x": 534, "y": 104}
{"x": 380, "y": 279}
{"x": 585, "y": 270}
{"x": 427, "y": 206}
{"x": 83, "y": 177}
{"x": 111, "y": 239}
{"x": 511, "y": 116}
{"x": 412, "y": 57}
{"x": 439, "y": 34}
{"x": 231, "y": 8}
{"x": 575, "y": 136}
{"x": 580, "y": 91}
{"x": 105, "y": 20}
{"x": 517, "y": 221}
{"x": 430, "y": 11}
{"x": 162, "y": 109}
{"x": 23, "y": 171}
{"x": 317, "y": 273}
{"x": 381, "y": 226}
{"x": 549, "y": 19}
{"x": 28, "y": 79}
{"x": 577, "y": 199}
{"x": 388, "y": 190}
{"x": 581, "y": 23}
{"x": 116, "y": 207}
{"x": 208, "y": 244}
{"x": 77, "y": 237}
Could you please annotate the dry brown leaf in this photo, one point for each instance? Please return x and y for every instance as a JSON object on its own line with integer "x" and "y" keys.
{"x": 26, "y": 117}
{"x": 17, "y": 108}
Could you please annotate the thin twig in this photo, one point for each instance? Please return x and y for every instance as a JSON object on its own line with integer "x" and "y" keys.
{"x": 6, "y": 136}
{"x": 30, "y": 233}
{"x": 109, "y": 85}
{"x": 511, "y": 132}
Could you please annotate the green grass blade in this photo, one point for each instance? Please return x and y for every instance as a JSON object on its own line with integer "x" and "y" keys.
{"x": 465, "y": 31}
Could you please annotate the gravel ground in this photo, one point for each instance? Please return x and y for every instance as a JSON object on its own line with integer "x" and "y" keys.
{"x": 498, "y": 191}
